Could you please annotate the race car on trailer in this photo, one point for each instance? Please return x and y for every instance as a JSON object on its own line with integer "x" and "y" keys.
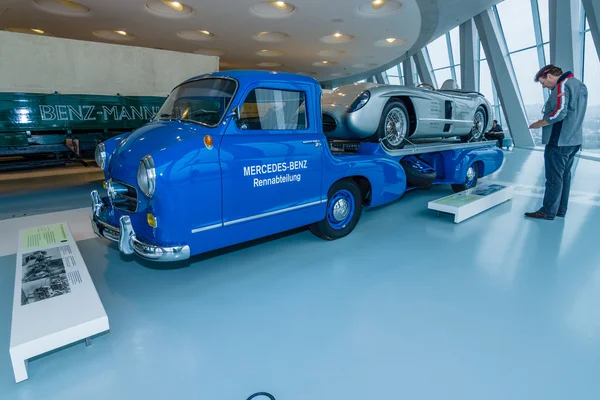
{"x": 396, "y": 115}
{"x": 237, "y": 155}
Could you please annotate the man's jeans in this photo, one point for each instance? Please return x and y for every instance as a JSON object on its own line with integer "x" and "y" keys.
{"x": 558, "y": 161}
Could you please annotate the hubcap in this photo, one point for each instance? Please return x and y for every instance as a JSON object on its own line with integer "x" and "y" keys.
{"x": 470, "y": 174}
{"x": 395, "y": 126}
{"x": 341, "y": 208}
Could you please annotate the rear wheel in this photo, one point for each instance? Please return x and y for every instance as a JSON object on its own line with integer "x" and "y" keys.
{"x": 470, "y": 179}
{"x": 344, "y": 207}
{"x": 394, "y": 125}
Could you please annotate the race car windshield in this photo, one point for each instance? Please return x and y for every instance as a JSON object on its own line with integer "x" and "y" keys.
{"x": 203, "y": 101}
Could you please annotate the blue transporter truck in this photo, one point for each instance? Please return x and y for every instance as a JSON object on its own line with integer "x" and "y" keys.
{"x": 237, "y": 155}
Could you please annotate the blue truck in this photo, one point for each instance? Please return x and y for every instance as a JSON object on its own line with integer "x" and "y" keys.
{"x": 233, "y": 156}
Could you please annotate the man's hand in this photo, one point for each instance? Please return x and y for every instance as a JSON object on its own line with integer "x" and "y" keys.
{"x": 538, "y": 124}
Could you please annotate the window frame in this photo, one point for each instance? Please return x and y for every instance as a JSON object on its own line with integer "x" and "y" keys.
{"x": 274, "y": 131}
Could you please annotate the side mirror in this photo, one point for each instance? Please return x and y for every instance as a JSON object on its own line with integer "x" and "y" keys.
{"x": 235, "y": 113}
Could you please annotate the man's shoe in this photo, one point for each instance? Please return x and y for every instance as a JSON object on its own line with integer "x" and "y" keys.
{"x": 562, "y": 215}
{"x": 539, "y": 215}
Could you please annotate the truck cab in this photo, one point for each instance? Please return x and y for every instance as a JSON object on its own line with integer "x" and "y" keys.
{"x": 230, "y": 157}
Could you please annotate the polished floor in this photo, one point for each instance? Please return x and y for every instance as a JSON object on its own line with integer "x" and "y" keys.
{"x": 410, "y": 306}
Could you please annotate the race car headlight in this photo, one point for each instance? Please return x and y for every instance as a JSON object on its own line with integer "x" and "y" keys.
{"x": 360, "y": 101}
{"x": 146, "y": 176}
{"x": 100, "y": 155}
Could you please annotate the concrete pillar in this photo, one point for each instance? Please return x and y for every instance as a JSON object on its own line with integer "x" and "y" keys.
{"x": 423, "y": 65}
{"x": 409, "y": 72}
{"x": 504, "y": 79}
{"x": 592, "y": 10}
{"x": 379, "y": 78}
{"x": 469, "y": 60}
{"x": 564, "y": 35}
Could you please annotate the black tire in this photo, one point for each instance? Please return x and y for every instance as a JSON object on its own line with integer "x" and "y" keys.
{"x": 477, "y": 134}
{"x": 399, "y": 142}
{"x": 421, "y": 176}
{"x": 469, "y": 182}
{"x": 344, "y": 192}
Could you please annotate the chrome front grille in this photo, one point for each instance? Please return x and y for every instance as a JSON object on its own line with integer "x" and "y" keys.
{"x": 122, "y": 196}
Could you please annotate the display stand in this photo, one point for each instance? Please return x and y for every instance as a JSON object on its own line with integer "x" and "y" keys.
{"x": 55, "y": 301}
{"x": 471, "y": 202}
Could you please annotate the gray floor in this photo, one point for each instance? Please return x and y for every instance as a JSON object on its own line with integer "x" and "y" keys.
{"x": 409, "y": 306}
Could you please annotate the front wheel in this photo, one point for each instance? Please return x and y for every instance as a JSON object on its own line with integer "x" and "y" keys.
{"x": 394, "y": 125}
{"x": 470, "y": 179}
{"x": 344, "y": 207}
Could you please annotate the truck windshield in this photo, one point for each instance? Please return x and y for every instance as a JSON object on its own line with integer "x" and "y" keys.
{"x": 203, "y": 101}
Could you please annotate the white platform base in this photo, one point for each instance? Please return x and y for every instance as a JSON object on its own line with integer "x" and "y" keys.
{"x": 55, "y": 301}
{"x": 471, "y": 202}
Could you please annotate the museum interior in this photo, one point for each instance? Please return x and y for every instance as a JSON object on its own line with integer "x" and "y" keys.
{"x": 342, "y": 199}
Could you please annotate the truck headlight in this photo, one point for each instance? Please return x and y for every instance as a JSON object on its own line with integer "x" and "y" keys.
{"x": 100, "y": 155}
{"x": 146, "y": 176}
{"x": 360, "y": 101}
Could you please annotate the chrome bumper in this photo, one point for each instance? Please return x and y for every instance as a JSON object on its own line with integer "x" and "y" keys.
{"x": 128, "y": 242}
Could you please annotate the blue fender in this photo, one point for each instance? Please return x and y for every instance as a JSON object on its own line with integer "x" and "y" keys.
{"x": 386, "y": 177}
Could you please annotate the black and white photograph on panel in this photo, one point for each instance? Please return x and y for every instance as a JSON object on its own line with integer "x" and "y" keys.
{"x": 44, "y": 276}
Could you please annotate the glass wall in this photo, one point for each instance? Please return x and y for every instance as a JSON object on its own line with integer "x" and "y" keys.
{"x": 524, "y": 27}
{"x": 444, "y": 53}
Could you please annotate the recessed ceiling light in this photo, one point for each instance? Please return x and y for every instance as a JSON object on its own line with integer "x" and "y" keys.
{"x": 337, "y": 37}
{"x": 114, "y": 35}
{"x": 197, "y": 35}
{"x": 169, "y": 8}
{"x": 62, "y": 7}
{"x": 390, "y": 42}
{"x": 324, "y": 63}
{"x": 270, "y": 53}
{"x": 377, "y": 4}
{"x": 271, "y": 37}
{"x": 379, "y": 7}
{"x": 29, "y": 31}
{"x": 175, "y": 5}
{"x": 273, "y": 9}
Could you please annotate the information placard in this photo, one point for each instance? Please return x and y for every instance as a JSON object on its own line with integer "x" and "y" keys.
{"x": 55, "y": 301}
{"x": 471, "y": 202}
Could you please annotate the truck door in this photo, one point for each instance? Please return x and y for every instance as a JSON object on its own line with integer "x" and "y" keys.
{"x": 271, "y": 160}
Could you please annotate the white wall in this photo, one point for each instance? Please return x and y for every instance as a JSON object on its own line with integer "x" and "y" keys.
{"x": 41, "y": 64}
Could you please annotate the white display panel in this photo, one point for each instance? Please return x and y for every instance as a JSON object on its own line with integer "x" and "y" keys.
{"x": 471, "y": 202}
{"x": 55, "y": 301}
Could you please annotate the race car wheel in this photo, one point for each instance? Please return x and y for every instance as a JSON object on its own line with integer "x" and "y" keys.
{"x": 394, "y": 125}
{"x": 344, "y": 207}
{"x": 477, "y": 133}
{"x": 470, "y": 179}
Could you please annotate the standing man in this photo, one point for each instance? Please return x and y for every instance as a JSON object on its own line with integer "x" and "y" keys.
{"x": 562, "y": 134}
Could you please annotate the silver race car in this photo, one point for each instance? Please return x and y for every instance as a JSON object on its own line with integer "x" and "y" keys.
{"x": 395, "y": 115}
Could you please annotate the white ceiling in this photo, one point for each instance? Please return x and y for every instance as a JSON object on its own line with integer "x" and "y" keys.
{"x": 235, "y": 23}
